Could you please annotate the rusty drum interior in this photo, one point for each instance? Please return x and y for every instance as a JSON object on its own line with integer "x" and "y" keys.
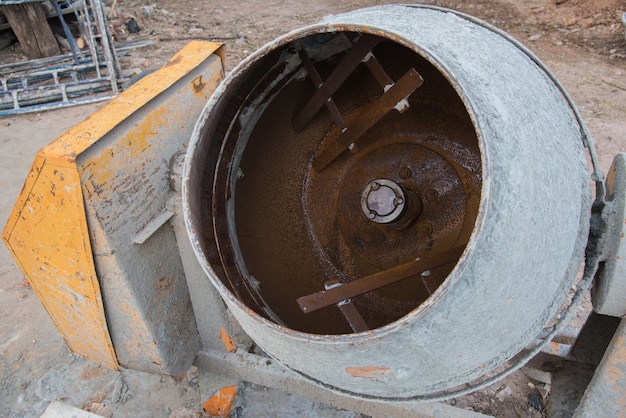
{"x": 344, "y": 185}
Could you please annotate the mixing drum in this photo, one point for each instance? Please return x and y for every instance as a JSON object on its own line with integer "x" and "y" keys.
{"x": 393, "y": 202}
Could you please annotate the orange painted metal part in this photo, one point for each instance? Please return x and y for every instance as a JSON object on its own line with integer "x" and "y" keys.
{"x": 221, "y": 403}
{"x": 47, "y": 232}
{"x": 368, "y": 372}
{"x": 48, "y": 237}
{"x": 229, "y": 344}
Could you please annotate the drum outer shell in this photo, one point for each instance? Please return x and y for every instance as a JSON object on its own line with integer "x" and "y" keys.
{"x": 529, "y": 237}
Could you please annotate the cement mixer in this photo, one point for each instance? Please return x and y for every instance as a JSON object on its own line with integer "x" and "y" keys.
{"x": 393, "y": 204}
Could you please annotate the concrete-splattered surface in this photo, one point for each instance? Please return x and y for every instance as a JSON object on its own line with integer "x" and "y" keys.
{"x": 581, "y": 41}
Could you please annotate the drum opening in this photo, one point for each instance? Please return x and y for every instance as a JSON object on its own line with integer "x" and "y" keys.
{"x": 347, "y": 184}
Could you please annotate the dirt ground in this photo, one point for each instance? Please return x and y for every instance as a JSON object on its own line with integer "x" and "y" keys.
{"x": 581, "y": 41}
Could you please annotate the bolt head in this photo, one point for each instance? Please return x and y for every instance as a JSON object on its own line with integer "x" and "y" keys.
{"x": 425, "y": 229}
{"x": 382, "y": 201}
{"x": 431, "y": 194}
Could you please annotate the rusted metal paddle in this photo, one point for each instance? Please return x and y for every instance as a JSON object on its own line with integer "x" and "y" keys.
{"x": 336, "y": 294}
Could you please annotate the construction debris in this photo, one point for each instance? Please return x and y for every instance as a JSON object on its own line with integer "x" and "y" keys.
{"x": 87, "y": 76}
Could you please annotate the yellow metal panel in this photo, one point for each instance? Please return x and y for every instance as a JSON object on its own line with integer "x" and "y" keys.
{"x": 80, "y": 137}
{"x": 47, "y": 234}
{"x": 47, "y": 231}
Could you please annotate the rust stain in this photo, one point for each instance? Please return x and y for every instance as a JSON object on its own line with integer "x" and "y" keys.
{"x": 92, "y": 371}
{"x": 180, "y": 378}
{"x": 220, "y": 404}
{"x": 198, "y": 85}
{"x": 229, "y": 344}
{"x": 173, "y": 61}
{"x": 368, "y": 372}
{"x": 554, "y": 347}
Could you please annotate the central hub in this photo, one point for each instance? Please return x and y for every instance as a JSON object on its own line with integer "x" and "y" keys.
{"x": 383, "y": 201}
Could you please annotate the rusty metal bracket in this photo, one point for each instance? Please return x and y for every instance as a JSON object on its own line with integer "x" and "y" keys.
{"x": 362, "y": 47}
{"x": 348, "y": 130}
{"x": 378, "y": 71}
{"x": 330, "y": 103}
{"x": 349, "y": 311}
{"x": 324, "y": 298}
{"x": 361, "y": 120}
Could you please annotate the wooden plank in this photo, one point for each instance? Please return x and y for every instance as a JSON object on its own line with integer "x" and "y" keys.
{"x": 29, "y": 23}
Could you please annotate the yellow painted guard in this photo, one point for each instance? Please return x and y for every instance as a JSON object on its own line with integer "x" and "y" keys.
{"x": 47, "y": 231}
